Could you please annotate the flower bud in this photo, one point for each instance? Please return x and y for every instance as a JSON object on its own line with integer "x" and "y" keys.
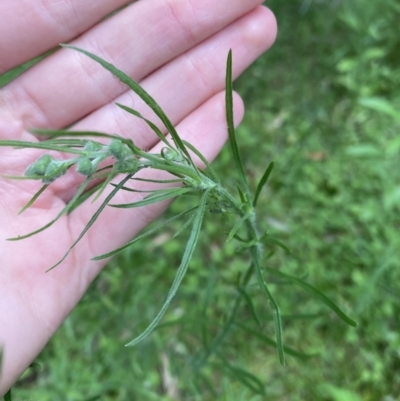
{"x": 55, "y": 169}
{"x": 38, "y": 168}
{"x": 170, "y": 154}
{"x": 131, "y": 165}
{"x": 85, "y": 167}
{"x": 118, "y": 149}
{"x": 91, "y": 146}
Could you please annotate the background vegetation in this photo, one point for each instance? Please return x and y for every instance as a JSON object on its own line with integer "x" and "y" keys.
{"x": 321, "y": 104}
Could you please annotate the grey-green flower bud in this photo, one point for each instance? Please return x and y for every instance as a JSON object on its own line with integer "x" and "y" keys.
{"x": 131, "y": 165}
{"x": 38, "y": 168}
{"x": 91, "y": 146}
{"x": 85, "y": 167}
{"x": 118, "y": 149}
{"x": 55, "y": 169}
{"x": 170, "y": 154}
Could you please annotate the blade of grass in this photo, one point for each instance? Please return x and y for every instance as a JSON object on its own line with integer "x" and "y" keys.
{"x": 146, "y": 234}
{"x": 187, "y": 256}
{"x": 314, "y": 291}
{"x": 262, "y": 182}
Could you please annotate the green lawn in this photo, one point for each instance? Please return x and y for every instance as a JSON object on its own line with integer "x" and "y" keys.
{"x": 321, "y": 104}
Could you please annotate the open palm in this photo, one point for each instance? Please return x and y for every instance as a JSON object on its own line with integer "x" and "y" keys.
{"x": 176, "y": 49}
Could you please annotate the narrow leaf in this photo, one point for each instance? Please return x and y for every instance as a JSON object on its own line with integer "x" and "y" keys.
{"x": 274, "y": 306}
{"x": 203, "y": 159}
{"x": 277, "y": 243}
{"x": 93, "y": 218}
{"x": 187, "y": 256}
{"x": 262, "y": 182}
{"x": 185, "y": 225}
{"x": 318, "y": 294}
{"x": 40, "y": 145}
{"x": 146, "y": 234}
{"x": 154, "y": 127}
{"x": 141, "y": 93}
{"x": 157, "y": 181}
{"x": 230, "y": 121}
{"x": 249, "y": 303}
{"x": 65, "y": 210}
{"x": 237, "y": 226}
{"x": 61, "y": 133}
{"x": 155, "y": 197}
{"x": 248, "y": 379}
{"x": 271, "y": 342}
{"x": 34, "y": 197}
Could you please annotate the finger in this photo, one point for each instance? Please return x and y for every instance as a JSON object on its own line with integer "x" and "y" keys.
{"x": 206, "y": 129}
{"x": 181, "y": 86}
{"x": 30, "y": 28}
{"x": 67, "y": 86}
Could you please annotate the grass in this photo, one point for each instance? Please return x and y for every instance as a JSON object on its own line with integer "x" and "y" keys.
{"x": 333, "y": 199}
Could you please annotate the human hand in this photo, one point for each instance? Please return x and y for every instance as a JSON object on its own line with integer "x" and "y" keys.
{"x": 176, "y": 49}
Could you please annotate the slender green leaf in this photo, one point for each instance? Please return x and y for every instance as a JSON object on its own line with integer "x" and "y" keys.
{"x": 154, "y": 127}
{"x": 240, "y": 239}
{"x": 103, "y": 186}
{"x": 84, "y": 196}
{"x": 273, "y": 304}
{"x": 187, "y": 256}
{"x": 230, "y": 121}
{"x": 40, "y": 145}
{"x": 203, "y": 159}
{"x": 185, "y": 225}
{"x": 158, "y": 196}
{"x": 318, "y": 294}
{"x": 248, "y": 379}
{"x": 34, "y": 197}
{"x": 249, "y": 303}
{"x": 237, "y": 226}
{"x": 94, "y": 218}
{"x": 241, "y": 194}
{"x": 271, "y": 342}
{"x": 63, "y": 132}
{"x": 146, "y": 234}
{"x": 64, "y": 211}
{"x": 262, "y": 182}
{"x": 157, "y": 181}
{"x": 141, "y": 93}
{"x": 276, "y": 242}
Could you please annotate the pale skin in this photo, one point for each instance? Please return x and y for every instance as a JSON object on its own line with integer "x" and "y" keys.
{"x": 177, "y": 50}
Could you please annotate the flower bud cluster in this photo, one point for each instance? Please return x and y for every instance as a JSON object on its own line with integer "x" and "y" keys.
{"x": 49, "y": 169}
